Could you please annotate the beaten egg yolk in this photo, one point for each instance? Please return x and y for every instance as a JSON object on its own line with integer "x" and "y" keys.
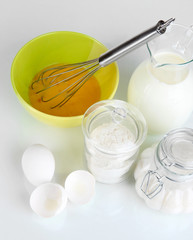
{"x": 87, "y": 95}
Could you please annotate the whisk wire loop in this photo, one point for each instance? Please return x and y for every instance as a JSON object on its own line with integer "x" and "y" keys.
{"x": 52, "y": 84}
{"x": 72, "y": 89}
{"x": 71, "y": 67}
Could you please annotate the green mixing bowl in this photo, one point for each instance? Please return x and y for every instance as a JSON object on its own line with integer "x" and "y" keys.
{"x": 53, "y": 48}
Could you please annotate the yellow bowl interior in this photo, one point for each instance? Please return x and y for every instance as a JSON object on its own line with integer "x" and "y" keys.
{"x": 53, "y": 48}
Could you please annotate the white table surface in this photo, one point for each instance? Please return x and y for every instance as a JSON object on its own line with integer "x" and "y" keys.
{"x": 116, "y": 212}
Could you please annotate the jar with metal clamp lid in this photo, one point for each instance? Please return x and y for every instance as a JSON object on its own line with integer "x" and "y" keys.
{"x": 113, "y": 132}
{"x": 164, "y": 173}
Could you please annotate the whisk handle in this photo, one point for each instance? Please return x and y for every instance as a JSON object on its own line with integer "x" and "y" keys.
{"x": 137, "y": 41}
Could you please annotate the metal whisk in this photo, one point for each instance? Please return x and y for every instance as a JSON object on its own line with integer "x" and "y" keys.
{"x": 88, "y": 68}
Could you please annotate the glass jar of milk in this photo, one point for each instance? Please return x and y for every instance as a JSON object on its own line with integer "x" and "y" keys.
{"x": 164, "y": 173}
{"x": 113, "y": 131}
{"x": 162, "y": 87}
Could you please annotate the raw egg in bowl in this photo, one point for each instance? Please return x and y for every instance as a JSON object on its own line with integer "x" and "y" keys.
{"x": 53, "y": 49}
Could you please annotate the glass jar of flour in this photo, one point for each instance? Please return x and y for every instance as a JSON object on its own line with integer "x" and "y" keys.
{"x": 113, "y": 131}
{"x": 164, "y": 173}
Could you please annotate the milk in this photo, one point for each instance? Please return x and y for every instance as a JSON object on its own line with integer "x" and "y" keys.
{"x": 163, "y": 94}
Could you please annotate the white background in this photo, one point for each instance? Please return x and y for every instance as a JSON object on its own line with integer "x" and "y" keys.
{"x": 116, "y": 212}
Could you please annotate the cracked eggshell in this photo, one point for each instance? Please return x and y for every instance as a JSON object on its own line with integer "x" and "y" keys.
{"x": 48, "y": 200}
{"x": 80, "y": 186}
{"x": 38, "y": 164}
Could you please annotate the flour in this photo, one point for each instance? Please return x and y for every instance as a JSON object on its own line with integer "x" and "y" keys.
{"x": 113, "y": 132}
{"x": 113, "y": 137}
{"x": 110, "y": 152}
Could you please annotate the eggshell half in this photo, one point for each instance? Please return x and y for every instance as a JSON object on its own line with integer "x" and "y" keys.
{"x": 48, "y": 200}
{"x": 80, "y": 186}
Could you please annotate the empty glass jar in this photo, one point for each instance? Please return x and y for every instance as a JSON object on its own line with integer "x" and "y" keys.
{"x": 113, "y": 131}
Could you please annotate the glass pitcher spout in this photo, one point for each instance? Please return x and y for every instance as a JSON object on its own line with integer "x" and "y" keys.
{"x": 177, "y": 40}
{"x": 171, "y": 54}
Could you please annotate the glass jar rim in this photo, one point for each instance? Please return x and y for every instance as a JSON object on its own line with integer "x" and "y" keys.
{"x": 133, "y": 112}
{"x": 169, "y": 162}
{"x": 159, "y": 65}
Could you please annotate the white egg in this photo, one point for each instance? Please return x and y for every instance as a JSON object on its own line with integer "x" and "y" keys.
{"x": 38, "y": 164}
{"x": 80, "y": 186}
{"x": 48, "y": 200}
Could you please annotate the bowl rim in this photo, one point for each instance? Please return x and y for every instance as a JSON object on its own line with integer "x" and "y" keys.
{"x": 78, "y": 117}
